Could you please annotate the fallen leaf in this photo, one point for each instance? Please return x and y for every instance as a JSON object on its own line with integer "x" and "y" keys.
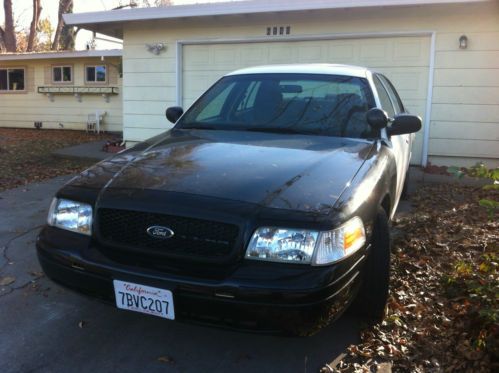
{"x": 7, "y": 280}
{"x": 166, "y": 360}
{"x": 36, "y": 274}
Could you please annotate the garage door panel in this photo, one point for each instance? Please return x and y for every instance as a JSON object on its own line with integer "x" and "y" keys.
{"x": 375, "y": 52}
{"x": 340, "y": 53}
{"x": 404, "y": 60}
{"x": 253, "y": 54}
{"x": 310, "y": 54}
{"x": 224, "y": 57}
{"x": 197, "y": 57}
{"x": 281, "y": 54}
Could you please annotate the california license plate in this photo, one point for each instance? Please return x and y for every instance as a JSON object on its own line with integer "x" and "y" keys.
{"x": 145, "y": 299}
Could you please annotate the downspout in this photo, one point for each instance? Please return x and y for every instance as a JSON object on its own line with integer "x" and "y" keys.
{"x": 429, "y": 100}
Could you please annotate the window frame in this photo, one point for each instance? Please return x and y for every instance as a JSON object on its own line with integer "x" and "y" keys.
{"x": 377, "y": 79}
{"x": 7, "y": 68}
{"x": 392, "y": 94}
{"x": 62, "y": 74}
{"x": 93, "y": 82}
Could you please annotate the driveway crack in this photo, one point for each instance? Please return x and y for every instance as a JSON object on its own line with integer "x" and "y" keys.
{"x": 11, "y": 290}
{"x": 5, "y": 248}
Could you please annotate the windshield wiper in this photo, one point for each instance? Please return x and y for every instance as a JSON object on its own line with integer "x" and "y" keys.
{"x": 198, "y": 127}
{"x": 273, "y": 130}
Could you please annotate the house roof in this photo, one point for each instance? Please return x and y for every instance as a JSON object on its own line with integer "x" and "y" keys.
{"x": 110, "y": 22}
{"x": 60, "y": 54}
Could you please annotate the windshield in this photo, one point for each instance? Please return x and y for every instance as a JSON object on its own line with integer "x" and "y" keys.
{"x": 328, "y": 105}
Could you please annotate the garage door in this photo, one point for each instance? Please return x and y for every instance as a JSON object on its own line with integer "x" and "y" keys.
{"x": 404, "y": 60}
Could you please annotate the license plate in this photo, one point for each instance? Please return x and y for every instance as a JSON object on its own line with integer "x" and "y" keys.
{"x": 145, "y": 299}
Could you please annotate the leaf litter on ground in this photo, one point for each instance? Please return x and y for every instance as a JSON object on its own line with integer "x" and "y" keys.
{"x": 26, "y": 154}
{"x": 442, "y": 312}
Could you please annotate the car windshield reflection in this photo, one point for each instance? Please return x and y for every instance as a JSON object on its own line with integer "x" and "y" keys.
{"x": 315, "y": 104}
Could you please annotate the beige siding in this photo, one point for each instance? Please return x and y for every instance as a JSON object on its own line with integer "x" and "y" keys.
{"x": 23, "y": 109}
{"x": 465, "y": 106}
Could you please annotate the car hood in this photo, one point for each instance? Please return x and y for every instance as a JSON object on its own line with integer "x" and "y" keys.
{"x": 295, "y": 172}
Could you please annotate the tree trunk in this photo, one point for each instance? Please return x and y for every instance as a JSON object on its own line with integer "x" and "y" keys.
{"x": 64, "y": 7}
{"x": 2, "y": 44}
{"x": 9, "y": 35}
{"x": 37, "y": 9}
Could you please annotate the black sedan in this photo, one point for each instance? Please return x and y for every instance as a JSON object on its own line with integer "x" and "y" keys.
{"x": 266, "y": 206}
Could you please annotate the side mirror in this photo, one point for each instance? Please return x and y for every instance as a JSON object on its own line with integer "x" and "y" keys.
{"x": 174, "y": 113}
{"x": 403, "y": 124}
{"x": 377, "y": 118}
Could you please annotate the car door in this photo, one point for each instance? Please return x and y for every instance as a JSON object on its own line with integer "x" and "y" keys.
{"x": 401, "y": 143}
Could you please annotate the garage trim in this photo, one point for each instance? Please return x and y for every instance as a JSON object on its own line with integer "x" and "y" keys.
{"x": 298, "y": 38}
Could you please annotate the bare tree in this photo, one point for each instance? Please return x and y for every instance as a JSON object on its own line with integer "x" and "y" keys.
{"x": 2, "y": 44}
{"x": 65, "y": 6}
{"x": 8, "y": 34}
{"x": 37, "y": 9}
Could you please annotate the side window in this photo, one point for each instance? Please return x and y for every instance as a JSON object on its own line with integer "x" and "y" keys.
{"x": 386, "y": 103}
{"x": 96, "y": 74}
{"x": 397, "y": 102}
{"x": 12, "y": 79}
{"x": 62, "y": 74}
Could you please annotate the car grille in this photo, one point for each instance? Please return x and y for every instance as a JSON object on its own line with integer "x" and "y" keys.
{"x": 192, "y": 239}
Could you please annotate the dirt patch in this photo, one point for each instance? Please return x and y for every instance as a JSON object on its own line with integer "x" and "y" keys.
{"x": 26, "y": 154}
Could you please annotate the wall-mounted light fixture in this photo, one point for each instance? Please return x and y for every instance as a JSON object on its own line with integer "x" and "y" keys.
{"x": 463, "y": 42}
{"x": 156, "y": 48}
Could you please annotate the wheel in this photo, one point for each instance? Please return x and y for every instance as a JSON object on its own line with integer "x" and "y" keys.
{"x": 371, "y": 299}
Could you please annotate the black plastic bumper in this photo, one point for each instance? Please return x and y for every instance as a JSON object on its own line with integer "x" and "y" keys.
{"x": 293, "y": 299}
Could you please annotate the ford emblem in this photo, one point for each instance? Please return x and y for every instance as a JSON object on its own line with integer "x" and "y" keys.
{"x": 157, "y": 231}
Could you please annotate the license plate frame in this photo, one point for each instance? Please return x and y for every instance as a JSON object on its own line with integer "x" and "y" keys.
{"x": 140, "y": 298}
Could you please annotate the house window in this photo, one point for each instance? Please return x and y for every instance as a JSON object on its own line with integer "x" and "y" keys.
{"x": 62, "y": 74}
{"x": 12, "y": 80}
{"x": 96, "y": 74}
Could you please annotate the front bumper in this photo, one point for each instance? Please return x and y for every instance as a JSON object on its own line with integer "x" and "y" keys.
{"x": 269, "y": 297}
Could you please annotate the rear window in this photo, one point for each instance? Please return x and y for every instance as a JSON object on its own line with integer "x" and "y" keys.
{"x": 330, "y": 105}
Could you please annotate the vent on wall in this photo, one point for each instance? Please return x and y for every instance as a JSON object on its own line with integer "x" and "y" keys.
{"x": 278, "y": 30}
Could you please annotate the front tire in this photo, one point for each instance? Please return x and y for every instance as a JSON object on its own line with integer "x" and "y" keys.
{"x": 373, "y": 293}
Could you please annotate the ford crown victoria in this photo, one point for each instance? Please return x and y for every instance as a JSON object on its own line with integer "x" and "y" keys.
{"x": 265, "y": 207}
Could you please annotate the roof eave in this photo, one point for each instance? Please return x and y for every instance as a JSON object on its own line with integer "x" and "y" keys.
{"x": 101, "y": 21}
{"x": 61, "y": 55}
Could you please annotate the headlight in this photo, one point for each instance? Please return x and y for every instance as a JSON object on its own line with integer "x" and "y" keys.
{"x": 71, "y": 215}
{"x": 306, "y": 246}
{"x": 282, "y": 245}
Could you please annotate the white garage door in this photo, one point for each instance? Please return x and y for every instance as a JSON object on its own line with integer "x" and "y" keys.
{"x": 404, "y": 60}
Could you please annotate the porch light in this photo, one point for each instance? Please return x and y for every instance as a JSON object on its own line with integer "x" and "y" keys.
{"x": 463, "y": 42}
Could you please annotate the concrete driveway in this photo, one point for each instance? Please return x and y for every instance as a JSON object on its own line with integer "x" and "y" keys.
{"x": 45, "y": 328}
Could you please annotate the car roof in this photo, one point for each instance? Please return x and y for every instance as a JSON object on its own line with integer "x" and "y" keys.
{"x": 311, "y": 68}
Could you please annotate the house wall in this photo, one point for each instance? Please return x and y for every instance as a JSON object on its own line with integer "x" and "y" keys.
{"x": 464, "y": 126}
{"x": 22, "y": 109}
